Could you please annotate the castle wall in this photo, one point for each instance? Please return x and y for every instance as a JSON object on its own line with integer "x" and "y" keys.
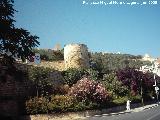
{"x": 76, "y": 56}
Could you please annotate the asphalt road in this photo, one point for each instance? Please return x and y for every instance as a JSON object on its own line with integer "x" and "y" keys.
{"x": 149, "y": 114}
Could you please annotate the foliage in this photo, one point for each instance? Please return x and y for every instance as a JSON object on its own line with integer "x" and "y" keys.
{"x": 123, "y": 100}
{"x": 41, "y": 81}
{"x": 43, "y": 84}
{"x": 107, "y": 62}
{"x": 52, "y": 104}
{"x": 115, "y": 86}
{"x": 93, "y": 74}
{"x": 135, "y": 79}
{"x": 90, "y": 94}
{"x": 62, "y": 103}
{"x": 62, "y": 89}
{"x": 135, "y": 99}
{"x": 37, "y": 105}
{"x": 88, "y": 90}
{"x": 120, "y": 100}
{"x": 50, "y": 55}
{"x": 14, "y": 42}
{"x": 72, "y": 75}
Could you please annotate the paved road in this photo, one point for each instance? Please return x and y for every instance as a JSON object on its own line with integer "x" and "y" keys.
{"x": 149, "y": 114}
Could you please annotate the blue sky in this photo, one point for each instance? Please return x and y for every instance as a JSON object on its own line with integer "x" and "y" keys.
{"x": 107, "y": 28}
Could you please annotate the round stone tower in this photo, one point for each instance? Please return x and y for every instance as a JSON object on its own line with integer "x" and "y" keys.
{"x": 76, "y": 56}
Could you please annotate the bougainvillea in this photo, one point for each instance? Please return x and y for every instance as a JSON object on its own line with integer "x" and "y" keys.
{"x": 89, "y": 90}
{"x": 135, "y": 79}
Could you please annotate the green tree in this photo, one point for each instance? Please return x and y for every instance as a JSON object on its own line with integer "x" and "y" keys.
{"x": 50, "y": 55}
{"x": 105, "y": 63}
{"x": 113, "y": 85}
{"x": 16, "y": 41}
{"x": 41, "y": 82}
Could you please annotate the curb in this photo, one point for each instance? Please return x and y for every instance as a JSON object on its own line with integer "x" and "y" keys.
{"x": 110, "y": 114}
{"x": 90, "y": 113}
{"x": 123, "y": 112}
{"x": 151, "y": 107}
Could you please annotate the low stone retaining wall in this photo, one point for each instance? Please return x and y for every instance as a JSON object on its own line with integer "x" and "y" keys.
{"x": 78, "y": 115}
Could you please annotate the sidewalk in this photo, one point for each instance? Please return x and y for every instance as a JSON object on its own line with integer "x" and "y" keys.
{"x": 144, "y": 107}
{"x": 137, "y": 109}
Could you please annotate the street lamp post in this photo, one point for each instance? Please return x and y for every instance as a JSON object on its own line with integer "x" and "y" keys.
{"x": 142, "y": 94}
{"x": 155, "y": 70}
{"x": 157, "y": 94}
{"x": 156, "y": 89}
{"x": 142, "y": 101}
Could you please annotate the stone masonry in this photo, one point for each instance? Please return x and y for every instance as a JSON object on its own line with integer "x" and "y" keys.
{"x": 76, "y": 56}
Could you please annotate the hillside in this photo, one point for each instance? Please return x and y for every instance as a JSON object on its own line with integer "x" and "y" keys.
{"x": 104, "y": 62}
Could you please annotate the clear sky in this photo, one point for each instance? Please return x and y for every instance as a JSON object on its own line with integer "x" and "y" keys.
{"x": 130, "y": 29}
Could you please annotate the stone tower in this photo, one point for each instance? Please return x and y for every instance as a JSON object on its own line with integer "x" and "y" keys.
{"x": 76, "y": 56}
{"x": 57, "y": 47}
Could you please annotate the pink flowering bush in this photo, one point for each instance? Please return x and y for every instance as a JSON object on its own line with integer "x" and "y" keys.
{"x": 89, "y": 90}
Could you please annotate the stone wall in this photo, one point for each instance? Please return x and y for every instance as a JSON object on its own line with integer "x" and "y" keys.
{"x": 57, "y": 65}
{"x": 13, "y": 90}
{"x": 76, "y": 56}
{"x": 55, "y": 76}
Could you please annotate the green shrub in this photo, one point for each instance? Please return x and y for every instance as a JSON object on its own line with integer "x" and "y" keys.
{"x": 108, "y": 62}
{"x": 62, "y": 103}
{"x": 72, "y": 75}
{"x": 58, "y": 103}
{"x": 50, "y": 55}
{"x": 135, "y": 99}
{"x": 93, "y": 74}
{"x": 123, "y": 100}
{"x": 120, "y": 101}
{"x": 37, "y": 105}
{"x": 115, "y": 86}
{"x": 41, "y": 82}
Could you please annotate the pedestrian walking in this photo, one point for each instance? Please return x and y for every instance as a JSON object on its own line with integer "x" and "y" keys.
{"x": 128, "y": 105}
